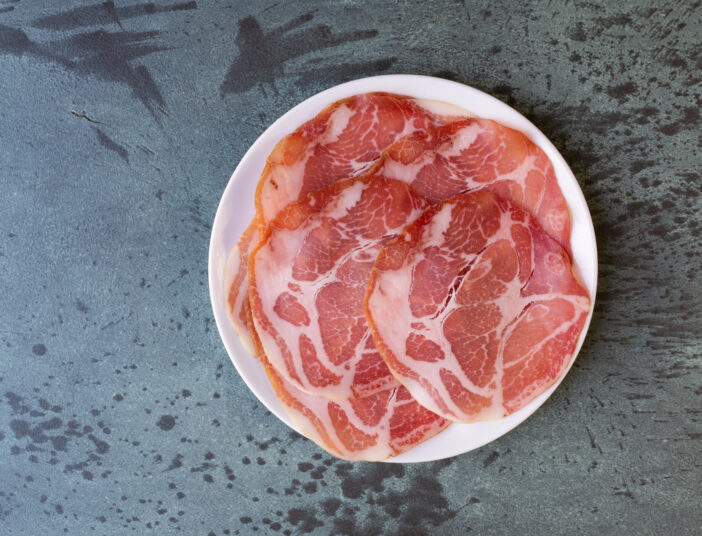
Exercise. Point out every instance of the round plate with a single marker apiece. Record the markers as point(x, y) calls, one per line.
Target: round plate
point(236, 209)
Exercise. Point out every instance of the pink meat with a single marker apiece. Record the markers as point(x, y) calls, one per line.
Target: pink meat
point(475, 308)
point(308, 278)
point(343, 140)
point(472, 153)
point(371, 428)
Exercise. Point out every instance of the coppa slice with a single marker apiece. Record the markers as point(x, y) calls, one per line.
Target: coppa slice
point(443, 161)
point(308, 277)
point(475, 309)
point(342, 141)
point(372, 428)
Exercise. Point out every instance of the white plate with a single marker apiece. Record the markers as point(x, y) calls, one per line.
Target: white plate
point(236, 210)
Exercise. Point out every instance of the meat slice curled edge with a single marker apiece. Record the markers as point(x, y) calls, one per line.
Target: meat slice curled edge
point(236, 280)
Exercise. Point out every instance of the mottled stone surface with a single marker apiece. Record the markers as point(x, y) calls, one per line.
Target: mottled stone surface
point(120, 124)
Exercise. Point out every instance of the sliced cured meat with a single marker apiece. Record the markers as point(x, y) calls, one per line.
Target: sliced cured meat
point(237, 278)
point(308, 277)
point(371, 428)
point(342, 141)
point(475, 309)
point(443, 161)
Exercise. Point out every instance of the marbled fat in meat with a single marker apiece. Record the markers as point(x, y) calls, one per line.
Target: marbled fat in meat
point(342, 141)
point(475, 308)
point(443, 161)
point(372, 428)
point(308, 278)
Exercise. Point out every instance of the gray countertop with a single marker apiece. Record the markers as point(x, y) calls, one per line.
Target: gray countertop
point(120, 124)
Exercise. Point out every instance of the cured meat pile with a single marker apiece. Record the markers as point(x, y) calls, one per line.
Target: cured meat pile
point(408, 266)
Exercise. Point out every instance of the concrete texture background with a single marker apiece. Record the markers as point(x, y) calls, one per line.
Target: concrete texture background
point(120, 124)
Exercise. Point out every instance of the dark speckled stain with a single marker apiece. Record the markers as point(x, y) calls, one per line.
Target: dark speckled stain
point(41, 430)
point(111, 145)
point(448, 75)
point(402, 500)
point(263, 55)
point(424, 506)
point(166, 423)
point(14, 41)
point(577, 33)
point(491, 458)
point(366, 477)
point(621, 92)
point(303, 519)
point(81, 306)
point(620, 19)
point(417, 506)
point(330, 506)
point(105, 13)
point(176, 463)
point(104, 54)
point(345, 71)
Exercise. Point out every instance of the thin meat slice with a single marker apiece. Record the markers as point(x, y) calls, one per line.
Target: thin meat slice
point(475, 308)
point(472, 153)
point(237, 281)
point(372, 428)
point(343, 140)
point(308, 277)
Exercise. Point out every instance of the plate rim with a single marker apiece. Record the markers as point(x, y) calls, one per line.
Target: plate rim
point(412, 85)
